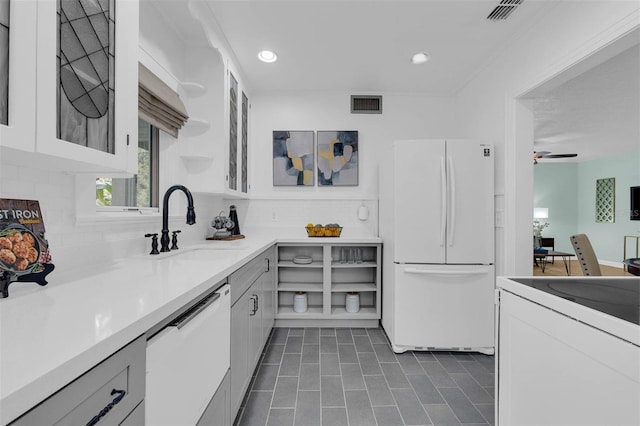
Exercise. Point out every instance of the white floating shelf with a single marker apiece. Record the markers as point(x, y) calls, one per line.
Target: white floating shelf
point(197, 126)
point(196, 157)
point(192, 88)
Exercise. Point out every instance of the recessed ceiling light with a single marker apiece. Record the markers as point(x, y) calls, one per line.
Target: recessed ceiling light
point(267, 56)
point(420, 58)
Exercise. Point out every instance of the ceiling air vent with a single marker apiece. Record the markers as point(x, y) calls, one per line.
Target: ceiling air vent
point(366, 104)
point(504, 9)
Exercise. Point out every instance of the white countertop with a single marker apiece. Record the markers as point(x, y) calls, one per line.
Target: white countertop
point(607, 323)
point(50, 335)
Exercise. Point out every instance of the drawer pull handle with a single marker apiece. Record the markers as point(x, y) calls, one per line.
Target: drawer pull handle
point(254, 304)
point(105, 410)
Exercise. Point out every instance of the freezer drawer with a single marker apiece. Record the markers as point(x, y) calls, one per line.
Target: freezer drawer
point(443, 307)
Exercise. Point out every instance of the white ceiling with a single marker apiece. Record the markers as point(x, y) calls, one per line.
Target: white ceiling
point(366, 45)
point(594, 114)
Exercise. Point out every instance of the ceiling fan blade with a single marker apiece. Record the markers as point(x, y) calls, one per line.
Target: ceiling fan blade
point(559, 155)
point(542, 152)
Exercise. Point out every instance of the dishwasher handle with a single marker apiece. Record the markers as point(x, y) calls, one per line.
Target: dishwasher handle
point(193, 312)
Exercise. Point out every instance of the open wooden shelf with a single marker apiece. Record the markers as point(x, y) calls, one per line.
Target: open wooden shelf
point(327, 281)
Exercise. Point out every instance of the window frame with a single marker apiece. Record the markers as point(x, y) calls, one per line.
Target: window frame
point(154, 173)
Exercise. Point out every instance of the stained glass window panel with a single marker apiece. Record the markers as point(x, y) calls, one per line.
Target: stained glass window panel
point(4, 61)
point(245, 141)
point(86, 73)
point(233, 133)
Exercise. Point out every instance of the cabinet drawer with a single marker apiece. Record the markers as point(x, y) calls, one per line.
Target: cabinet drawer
point(113, 388)
point(242, 279)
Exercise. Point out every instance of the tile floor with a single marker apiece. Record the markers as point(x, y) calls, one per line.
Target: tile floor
point(350, 376)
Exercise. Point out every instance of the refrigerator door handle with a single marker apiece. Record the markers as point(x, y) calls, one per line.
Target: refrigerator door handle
point(443, 201)
point(452, 201)
point(445, 271)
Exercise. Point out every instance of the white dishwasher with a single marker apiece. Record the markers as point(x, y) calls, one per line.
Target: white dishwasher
point(187, 361)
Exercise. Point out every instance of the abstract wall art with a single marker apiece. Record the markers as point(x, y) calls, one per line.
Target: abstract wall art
point(293, 158)
point(338, 158)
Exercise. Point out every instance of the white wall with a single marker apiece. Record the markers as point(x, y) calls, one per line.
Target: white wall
point(488, 108)
point(569, 191)
point(607, 238)
point(404, 116)
point(556, 188)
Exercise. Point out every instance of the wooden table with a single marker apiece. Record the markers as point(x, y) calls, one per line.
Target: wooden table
point(542, 257)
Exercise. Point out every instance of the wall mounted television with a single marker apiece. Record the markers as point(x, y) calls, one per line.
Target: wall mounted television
point(634, 213)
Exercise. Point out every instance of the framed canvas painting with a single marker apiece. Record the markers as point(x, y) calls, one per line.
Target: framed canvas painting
point(293, 158)
point(338, 158)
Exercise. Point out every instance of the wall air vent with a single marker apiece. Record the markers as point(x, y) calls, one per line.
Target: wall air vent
point(366, 104)
point(504, 9)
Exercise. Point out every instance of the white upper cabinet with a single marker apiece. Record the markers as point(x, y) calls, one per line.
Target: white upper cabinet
point(17, 128)
point(83, 115)
point(213, 143)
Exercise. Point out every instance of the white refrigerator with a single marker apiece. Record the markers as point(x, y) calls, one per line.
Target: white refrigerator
point(437, 227)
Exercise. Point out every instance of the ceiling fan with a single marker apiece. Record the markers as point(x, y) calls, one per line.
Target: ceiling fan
point(548, 154)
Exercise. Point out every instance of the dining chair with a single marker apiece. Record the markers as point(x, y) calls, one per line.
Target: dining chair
point(585, 254)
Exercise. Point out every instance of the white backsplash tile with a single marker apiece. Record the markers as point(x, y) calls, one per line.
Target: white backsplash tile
point(94, 244)
point(84, 246)
point(287, 214)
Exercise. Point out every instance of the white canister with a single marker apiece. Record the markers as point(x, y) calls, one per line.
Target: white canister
point(300, 302)
point(352, 302)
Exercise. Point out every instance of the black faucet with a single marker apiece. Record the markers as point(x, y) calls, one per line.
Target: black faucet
point(191, 214)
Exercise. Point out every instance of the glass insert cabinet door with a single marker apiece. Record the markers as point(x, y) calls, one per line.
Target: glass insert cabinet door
point(4, 62)
point(18, 26)
point(87, 84)
point(86, 68)
point(233, 132)
point(245, 143)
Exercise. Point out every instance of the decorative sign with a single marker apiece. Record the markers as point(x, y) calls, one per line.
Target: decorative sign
point(24, 250)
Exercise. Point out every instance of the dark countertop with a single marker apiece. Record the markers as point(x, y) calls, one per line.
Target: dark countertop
point(616, 297)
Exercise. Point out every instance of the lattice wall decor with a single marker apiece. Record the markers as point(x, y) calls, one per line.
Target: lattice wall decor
point(606, 200)
point(86, 60)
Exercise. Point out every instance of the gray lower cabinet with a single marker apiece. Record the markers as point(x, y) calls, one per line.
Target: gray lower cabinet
point(239, 350)
point(252, 318)
point(269, 293)
point(108, 394)
point(218, 411)
point(136, 418)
